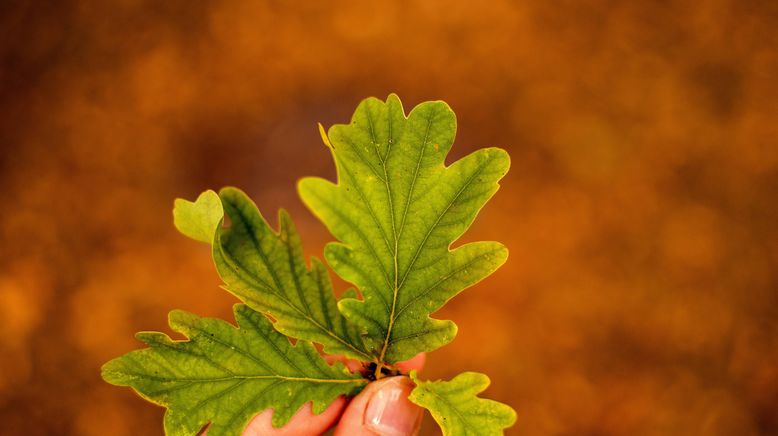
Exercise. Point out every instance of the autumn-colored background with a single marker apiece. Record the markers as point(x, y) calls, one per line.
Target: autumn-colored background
point(641, 293)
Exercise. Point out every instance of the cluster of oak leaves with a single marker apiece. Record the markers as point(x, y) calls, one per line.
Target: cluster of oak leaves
point(395, 211)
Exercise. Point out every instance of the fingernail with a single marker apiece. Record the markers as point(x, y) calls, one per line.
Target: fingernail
point(390, 413)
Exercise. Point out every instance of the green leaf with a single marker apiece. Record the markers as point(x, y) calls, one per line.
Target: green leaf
point(267, 271)
point(397, 209)
point(200, 219)
point(456, 407)
point(225, 375)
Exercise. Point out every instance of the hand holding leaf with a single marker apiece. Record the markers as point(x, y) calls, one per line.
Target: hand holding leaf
point(396, 211)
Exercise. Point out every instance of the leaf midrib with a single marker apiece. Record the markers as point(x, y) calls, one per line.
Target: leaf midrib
point(396, 291)
point(276, 292)
point(452, 407)
point(245, 377)
point(395, 233)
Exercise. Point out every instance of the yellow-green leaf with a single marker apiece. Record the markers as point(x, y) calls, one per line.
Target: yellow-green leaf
point(396, 210)
point(199, 219)
point(267, 271)
point(458, 410)
point(224, 375)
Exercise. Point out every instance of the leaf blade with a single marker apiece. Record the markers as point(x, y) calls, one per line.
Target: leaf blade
point(224, 375)
point(396, 210)
point(266, 269)
point(199, 219)
point(458, 410)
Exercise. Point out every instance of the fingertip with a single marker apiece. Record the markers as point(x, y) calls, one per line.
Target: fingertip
point(303, 422)
point(352, 421)
point(382, 408)
point(416, 363)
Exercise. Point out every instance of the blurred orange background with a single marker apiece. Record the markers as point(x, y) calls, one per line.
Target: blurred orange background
point(641, 293)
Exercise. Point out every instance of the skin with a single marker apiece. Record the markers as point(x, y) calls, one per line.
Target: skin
point(351, 418)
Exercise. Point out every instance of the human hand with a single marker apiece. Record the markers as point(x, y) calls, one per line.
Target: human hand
point(382, 408)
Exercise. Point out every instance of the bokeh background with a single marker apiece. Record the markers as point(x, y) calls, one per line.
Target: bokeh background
point(641, 294)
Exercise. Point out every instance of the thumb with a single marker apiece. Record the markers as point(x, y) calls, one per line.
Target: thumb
point(382, 409)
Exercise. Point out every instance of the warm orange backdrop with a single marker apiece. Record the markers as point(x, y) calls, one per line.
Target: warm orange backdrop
point(641, 293)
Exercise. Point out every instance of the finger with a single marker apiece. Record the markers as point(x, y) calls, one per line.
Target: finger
point(304, 422)
point(416, 363)
point(382, 408)
point(353, 365)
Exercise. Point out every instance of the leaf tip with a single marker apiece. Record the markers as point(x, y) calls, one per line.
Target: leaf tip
point(230, 192)
point(503, 158)
point(393, 98)
point(180, 320)
point(149, 338)
point(479, 382)
point(285, 223)
point(112, 373)
point(501, 254)
point(242, 312)
point(306, 188)
point(324, 137)
point(198, 219)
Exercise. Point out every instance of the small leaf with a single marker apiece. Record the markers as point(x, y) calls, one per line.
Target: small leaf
point(458, 410)
point(200, 219)
point(267, 271)
point(397, 209)
point(225, 375)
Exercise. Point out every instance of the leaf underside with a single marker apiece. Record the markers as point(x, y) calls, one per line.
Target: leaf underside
point(225, 375)
point(396, 210)
point(267, 270)
point(457, 409)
